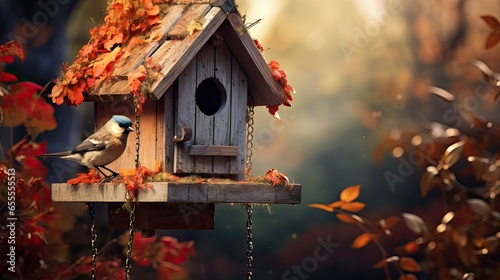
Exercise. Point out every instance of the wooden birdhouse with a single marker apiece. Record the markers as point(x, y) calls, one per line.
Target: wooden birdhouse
point(207, 71)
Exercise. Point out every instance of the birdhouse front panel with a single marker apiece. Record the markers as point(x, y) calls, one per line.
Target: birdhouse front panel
point(210, 115)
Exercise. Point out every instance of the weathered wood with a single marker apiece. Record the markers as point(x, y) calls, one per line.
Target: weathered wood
point(262, 86)
point(173, 55)
point(205, 150)
point(204, 132)
point(222, 120)
point(233, 192)
point(194, 12)
point(185, 112)
point(238, 119)
point(163, 216)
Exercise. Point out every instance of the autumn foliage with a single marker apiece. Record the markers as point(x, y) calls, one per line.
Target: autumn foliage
point(114, 39)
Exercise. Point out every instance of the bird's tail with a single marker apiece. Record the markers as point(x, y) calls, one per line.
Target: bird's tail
point(59, 154)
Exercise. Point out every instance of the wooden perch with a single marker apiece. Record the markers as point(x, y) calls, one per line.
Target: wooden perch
point(181, 193)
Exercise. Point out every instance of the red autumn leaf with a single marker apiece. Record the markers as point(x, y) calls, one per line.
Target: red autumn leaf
point(85, 178)
point(362, 240)
point(492, 39)
point(7, 77)
point(353, 206)
point(10, 49)
point(276, 178)
point(491, 21)
point(155, 10)
point(273, 110)
point(274, 65)
point(350, 193)
point(136, 77)
point(258, 45)
point(32, 167)
point(380, 263)
point(322, 207)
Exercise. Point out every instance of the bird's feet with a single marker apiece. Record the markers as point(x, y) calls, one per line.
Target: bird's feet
point(108, 179)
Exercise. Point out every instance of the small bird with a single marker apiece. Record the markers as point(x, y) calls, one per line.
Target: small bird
point(101, 148)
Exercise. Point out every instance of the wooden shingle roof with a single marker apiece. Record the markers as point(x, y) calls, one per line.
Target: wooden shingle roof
point(177, 48)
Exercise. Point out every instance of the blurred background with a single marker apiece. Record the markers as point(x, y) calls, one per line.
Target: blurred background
point(361, 70)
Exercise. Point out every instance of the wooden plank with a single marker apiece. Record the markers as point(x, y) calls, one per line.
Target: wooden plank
point(204, 132)
point(232, 192)
point(239, 91)
point(151, 147)
point(222, 120)
point(194, 12)
point(174, 56)
point(263, 88)
point(163, 216)
point(174, 14)
point(221, 151)
point(166, 117)
point(185, 112)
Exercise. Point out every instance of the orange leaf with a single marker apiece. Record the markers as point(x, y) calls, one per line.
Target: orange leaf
point(322, 207)
point(12, 48)
point(136, 77)
point(350, 193)
point(154, 10)
point(274, 65)
point(353, 206)
point(101, 65)
point(336, 204)
point(349, 218)
point(117, 39)
point(491, 21)
point(362, 240)
point(409, 264)
point(380, 263)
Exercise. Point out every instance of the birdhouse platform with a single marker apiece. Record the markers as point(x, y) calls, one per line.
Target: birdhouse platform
point(177, 205)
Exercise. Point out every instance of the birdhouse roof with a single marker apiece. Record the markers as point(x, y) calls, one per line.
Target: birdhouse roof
point(177, 47)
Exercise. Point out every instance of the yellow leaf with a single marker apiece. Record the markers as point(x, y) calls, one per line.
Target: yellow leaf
point(192, 26)
point(350, 193)
point(362, 240)
point(353, 206)
point(322, 207)
point(409, 264)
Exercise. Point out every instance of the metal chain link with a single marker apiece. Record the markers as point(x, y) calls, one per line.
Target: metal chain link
point(249, 243)
point(128, 263)
point(248, 172)
point(249, 144)
point(93, 237)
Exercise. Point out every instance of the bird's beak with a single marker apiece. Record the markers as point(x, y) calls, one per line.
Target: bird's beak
point(129, 128)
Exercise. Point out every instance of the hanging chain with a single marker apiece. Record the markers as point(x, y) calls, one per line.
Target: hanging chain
point(249, 152)
point(93, 237)
point(249, 242)
point(128, 263)
point(248, 172)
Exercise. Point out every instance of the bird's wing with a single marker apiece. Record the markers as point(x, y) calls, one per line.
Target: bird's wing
point(94, 142)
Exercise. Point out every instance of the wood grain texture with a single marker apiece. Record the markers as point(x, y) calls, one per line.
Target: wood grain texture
point(185, 113)
point(174, 55)
point(194, 12)
point(163, 216)
point(239, 89)
point(262, 86)
point(181, 193)
point(222, 119)
point(166, 118)
point(204, 131)
point(216, 151)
